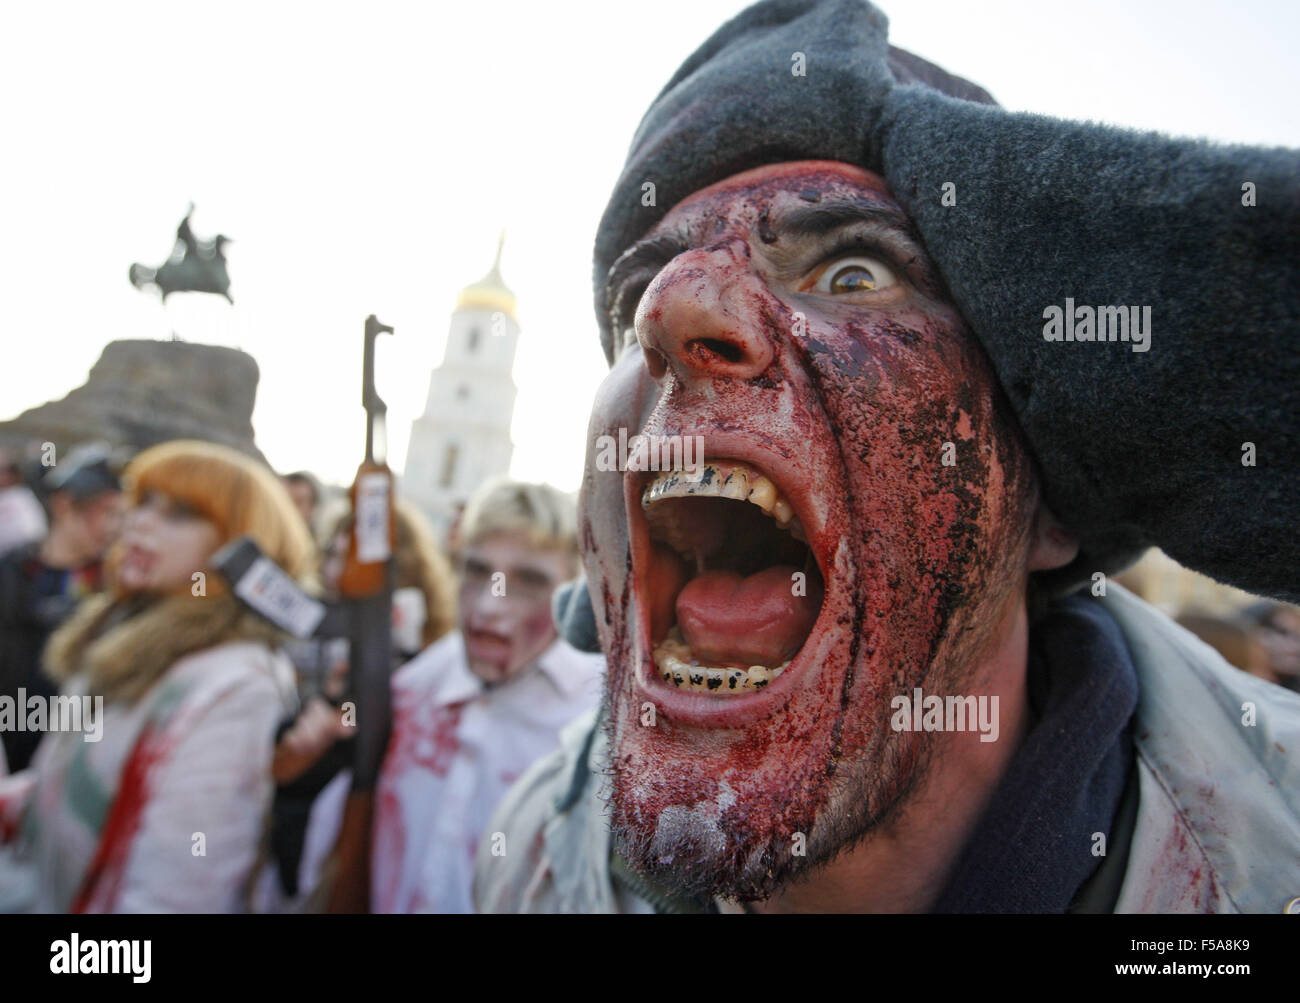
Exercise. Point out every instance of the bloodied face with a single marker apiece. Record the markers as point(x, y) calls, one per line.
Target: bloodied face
point(506, 583)
point(861, 526)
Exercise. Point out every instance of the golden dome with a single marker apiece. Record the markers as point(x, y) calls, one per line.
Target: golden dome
point(489, 292)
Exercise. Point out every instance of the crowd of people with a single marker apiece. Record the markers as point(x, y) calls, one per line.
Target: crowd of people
point(212, 766)
point(221, 779)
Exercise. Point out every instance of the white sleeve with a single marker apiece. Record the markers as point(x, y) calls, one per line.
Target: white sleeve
point(201, 828)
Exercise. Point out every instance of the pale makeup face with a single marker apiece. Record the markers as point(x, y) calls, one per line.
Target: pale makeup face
point(789, 316)
point(506, 585)
point(164, 543)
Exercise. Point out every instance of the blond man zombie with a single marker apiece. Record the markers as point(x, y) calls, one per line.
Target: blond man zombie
point(481, 705)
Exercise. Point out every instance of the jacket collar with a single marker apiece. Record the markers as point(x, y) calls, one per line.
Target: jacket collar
point(567, 668)
point(1219, 824)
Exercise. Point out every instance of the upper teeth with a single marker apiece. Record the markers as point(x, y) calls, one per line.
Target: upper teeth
point(725, 481)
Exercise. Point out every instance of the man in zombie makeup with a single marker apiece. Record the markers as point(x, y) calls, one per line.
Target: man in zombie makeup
point(478, 707)
point(850, 664)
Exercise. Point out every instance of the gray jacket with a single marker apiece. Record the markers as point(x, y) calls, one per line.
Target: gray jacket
point(1217, 825)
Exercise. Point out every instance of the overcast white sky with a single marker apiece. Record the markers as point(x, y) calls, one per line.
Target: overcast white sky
point(364, 158)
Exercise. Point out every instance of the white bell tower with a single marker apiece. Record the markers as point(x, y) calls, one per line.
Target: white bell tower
point(463, 437)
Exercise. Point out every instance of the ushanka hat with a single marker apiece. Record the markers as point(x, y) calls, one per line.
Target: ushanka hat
point(1185, 441)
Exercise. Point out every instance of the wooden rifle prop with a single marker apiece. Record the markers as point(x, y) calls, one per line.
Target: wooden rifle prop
point(366, 582)
point(364, 616)
point(367, 585)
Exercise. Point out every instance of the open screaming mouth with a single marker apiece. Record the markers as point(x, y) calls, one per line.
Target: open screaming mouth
point(731, 585)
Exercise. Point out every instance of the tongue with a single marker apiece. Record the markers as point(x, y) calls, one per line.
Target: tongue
point(729, 619)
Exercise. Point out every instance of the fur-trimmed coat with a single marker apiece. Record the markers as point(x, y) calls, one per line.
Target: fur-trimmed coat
point(164, 811)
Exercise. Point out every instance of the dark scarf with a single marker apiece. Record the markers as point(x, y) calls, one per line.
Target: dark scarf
point(1032, 850)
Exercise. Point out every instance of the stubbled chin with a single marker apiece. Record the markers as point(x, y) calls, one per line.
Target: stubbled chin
point(717, 811)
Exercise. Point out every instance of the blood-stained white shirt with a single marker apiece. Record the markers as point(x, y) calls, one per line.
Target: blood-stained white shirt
point(455, 749)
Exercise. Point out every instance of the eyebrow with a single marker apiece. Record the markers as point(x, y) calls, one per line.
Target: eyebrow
point(826, 217)
point(652, 252)
point(796, 221)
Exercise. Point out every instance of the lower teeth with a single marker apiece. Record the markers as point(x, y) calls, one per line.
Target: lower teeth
point(677, 665)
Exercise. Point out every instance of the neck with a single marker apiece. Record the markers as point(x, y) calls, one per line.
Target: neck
point(904, 867)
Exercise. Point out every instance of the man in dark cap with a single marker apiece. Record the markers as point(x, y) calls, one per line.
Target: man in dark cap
point(851, 668)
point(42, 582)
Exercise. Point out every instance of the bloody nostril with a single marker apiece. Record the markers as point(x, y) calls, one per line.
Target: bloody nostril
point(655, 362)
point(723, 349)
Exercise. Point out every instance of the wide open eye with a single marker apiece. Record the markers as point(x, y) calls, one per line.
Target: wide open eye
point(854, 274)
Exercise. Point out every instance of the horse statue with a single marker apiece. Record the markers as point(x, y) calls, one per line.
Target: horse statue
point(194, 266)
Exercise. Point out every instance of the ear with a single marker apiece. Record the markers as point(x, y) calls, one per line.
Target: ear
point(1051, 546)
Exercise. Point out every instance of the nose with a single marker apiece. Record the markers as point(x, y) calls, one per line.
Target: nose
point(702, 317)
point(482, 606)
